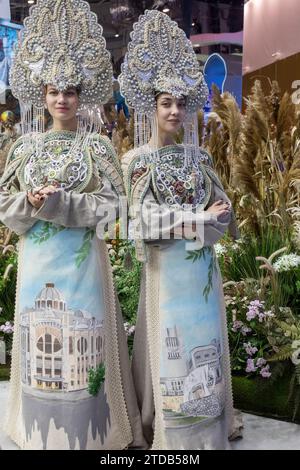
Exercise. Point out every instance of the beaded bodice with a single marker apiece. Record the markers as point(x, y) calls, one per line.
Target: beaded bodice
point(60, 163)
point(63, 163)
point(176, 181)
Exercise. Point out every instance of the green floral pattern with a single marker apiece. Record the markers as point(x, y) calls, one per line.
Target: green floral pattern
point(213, 266)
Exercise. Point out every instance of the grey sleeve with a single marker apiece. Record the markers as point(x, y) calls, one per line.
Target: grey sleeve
point(70, 209)
point(214, 231)
point(154, 221)
point(159, 222)
point(15, 211)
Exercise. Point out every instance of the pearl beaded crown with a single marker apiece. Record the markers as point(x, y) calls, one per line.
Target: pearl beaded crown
point(160, 58)
point(62, 45)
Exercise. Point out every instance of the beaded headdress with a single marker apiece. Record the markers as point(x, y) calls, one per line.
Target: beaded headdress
point(160, 59)
point(62, 45)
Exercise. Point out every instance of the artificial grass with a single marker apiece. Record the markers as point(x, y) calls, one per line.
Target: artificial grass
point(264, 397)
point(4, 371)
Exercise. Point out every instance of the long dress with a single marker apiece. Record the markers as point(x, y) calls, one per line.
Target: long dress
point(67, 319)
point(181, 363)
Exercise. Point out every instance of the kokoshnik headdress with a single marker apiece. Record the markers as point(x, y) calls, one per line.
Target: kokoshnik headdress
point(62, 45)
point(160, 59)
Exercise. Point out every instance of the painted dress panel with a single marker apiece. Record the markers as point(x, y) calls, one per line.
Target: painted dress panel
point(61, 315)
point(191, 371)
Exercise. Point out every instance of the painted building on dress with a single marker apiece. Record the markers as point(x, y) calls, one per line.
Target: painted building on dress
point(58, 345)
point(191, 375)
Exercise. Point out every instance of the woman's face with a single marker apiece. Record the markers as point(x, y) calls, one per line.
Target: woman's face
point(62, 105)
point(170, 113)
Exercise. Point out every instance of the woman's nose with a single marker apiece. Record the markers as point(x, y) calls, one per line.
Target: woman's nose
point(61, 98)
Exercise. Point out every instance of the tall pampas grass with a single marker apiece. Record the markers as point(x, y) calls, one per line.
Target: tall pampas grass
point(257, 155)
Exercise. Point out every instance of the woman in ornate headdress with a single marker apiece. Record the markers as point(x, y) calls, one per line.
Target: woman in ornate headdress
point(57, 187)
point(178, 210)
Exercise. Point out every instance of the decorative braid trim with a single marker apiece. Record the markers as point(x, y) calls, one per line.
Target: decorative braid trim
point(113, 380)
point(107, 142)
point(154, 342)
point(229, 414)
point(127, 159)
point(112, 174)
point(214, 177)
point(138, 193)
point(13, 418)
point(125, 162)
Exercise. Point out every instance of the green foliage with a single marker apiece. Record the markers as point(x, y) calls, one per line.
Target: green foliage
point(8, 287)
point(84, 250)
point(46, 231)
point(127, 283)
point(195, 255)
point(289, 285)
point(241, 263)
point(283, 354)
point(96, 378)
point(297, 373)
point(278, 370)
point(130, 340)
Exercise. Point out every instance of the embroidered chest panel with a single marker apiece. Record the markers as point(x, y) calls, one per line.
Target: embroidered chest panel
point(59, 163)
point(178, 181)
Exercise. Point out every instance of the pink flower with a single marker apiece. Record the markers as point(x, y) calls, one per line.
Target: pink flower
point(250, 366)
point(265, 372)
point(256, 310)
point(260, 362)
point(252, 313)
point(257, 303)
point(7, 328)
point(245, 330)
point(237, 325)
point(250, 350)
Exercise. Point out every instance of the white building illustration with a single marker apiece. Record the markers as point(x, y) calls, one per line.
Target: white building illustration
point(175, 364)
point(190, 375)
point(59, 345)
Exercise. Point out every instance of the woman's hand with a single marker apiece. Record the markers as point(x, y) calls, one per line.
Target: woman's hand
point(47, 191)
point(37, 198)
point(219, 208)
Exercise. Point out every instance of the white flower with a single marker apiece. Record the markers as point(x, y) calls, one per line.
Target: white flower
point(287, 262)
point(236, 246)
point(220, 249)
